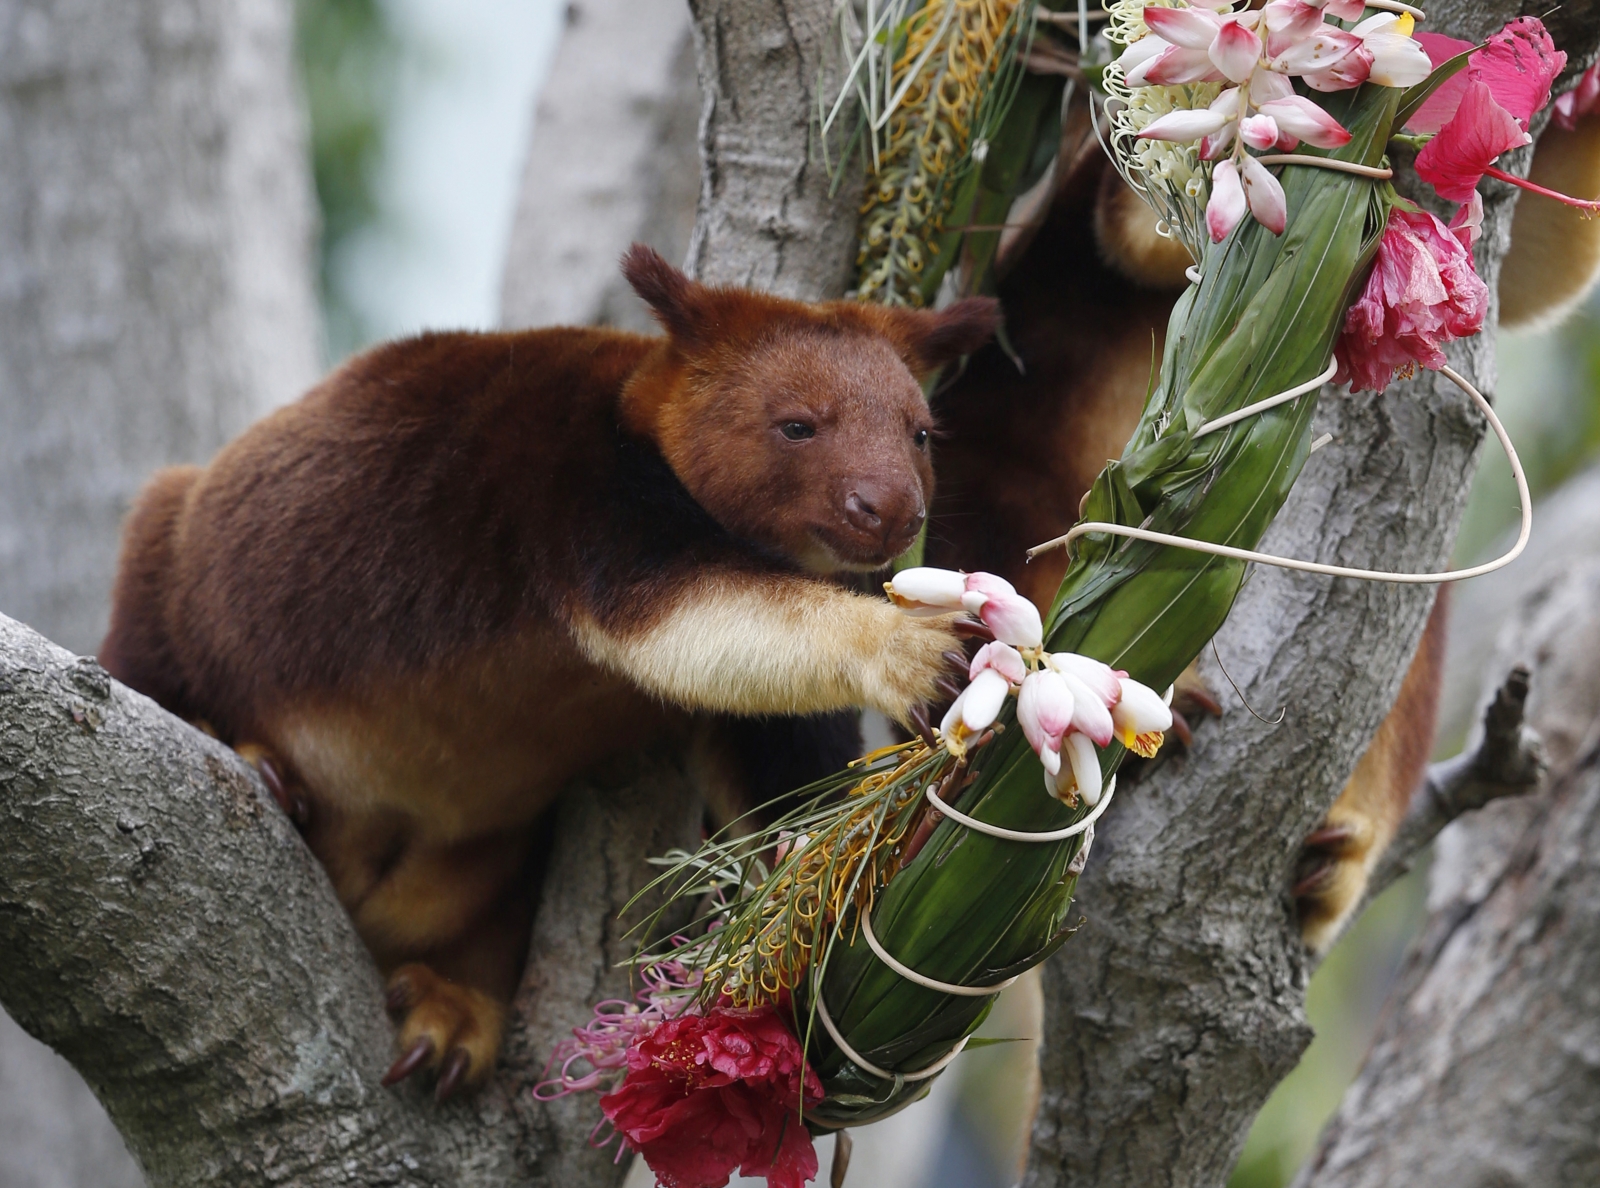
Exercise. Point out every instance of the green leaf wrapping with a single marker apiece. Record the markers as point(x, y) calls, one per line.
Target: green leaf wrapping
point(972, 909)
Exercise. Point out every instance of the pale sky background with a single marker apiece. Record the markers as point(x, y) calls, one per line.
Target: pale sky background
point(448, 182)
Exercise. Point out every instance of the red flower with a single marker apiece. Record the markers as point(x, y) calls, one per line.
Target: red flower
point(1485, 109)
point(1579, 101)
point(706, 1095)
point(1422, 293)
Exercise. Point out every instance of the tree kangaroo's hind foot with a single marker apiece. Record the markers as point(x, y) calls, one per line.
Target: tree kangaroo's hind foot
point(446, 1028)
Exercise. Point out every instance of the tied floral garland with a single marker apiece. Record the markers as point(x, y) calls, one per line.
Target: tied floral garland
point(848, 951)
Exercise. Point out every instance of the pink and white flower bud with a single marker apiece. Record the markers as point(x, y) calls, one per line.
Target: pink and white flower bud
point(1316, 51)
point(1141, 51)
point(1044, 711)
point(1175, 66)
point(982, 699)
point(1227, 203)
point(1235, 52)
point(1259, 131)
point(1301, 118)
point(1141, 718)
point(1342, 10)
point(1191, 28)
point(927, 591)
point(1013, 619)
point(1101, 679)
point(1265, 196)
point(1287, 22)
point(1184, 126)
point(1002, 658)
point(1344, 74)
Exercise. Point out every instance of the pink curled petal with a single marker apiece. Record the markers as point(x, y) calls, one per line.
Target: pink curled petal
point(1288, 21)
point(1467, 225)
point(1265, 196)
point(1183, 126)
point(1259, 131)
point(1438, 107)
point(973, 602)
point(1190, 28)
point(1101, 679)
point(1348, 72)
point(1090, 715)
point(1226, 206)
point(1014, 620)
point(1235, 51)
point(988, 583)
point(981, 701)
point(1002, 658)
point(1454, 160)
point(1044, 709)
point(1297, 116)
point(1345, 10)
point(1175, 67)
point(1397, 60)
point(1085, 762)
point(1518, 64)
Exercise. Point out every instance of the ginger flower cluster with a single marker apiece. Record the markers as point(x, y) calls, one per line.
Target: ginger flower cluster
point(1067, 705)
point(1257, 53)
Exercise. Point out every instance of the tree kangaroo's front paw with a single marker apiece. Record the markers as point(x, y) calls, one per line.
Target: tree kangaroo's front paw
point(281, 781)
point(1331, 877)
point(919, 665)
point(445, 1028)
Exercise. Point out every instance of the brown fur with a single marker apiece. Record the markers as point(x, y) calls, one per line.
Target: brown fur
point(469, 567)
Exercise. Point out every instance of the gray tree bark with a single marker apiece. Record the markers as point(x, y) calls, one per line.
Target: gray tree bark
point(613, 159)
point(1170, 1018)
point(1486, 1069)
point(770, 217)
point(155, 297)
point(155, 291)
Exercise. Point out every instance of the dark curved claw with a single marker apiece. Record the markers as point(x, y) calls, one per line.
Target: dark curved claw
point(948, 687)
point(920, 723)
point(1313, 880)
point(958, 661)
point(455, 1068)
point(399, 996)
point(294, 805)
point(1181, 730)
point(420, 1053)
point(972, 629)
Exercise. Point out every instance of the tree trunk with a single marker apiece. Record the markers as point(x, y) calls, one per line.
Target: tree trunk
point(155, 297)
point(1486, 1070)
point(612, 160)
point(155, 238)
point(1174, 1013)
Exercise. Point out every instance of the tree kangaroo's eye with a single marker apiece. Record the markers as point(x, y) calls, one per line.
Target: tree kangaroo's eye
point(798, 430)
point(920, 439)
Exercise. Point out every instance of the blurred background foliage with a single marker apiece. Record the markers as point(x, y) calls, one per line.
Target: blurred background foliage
point(419, 113)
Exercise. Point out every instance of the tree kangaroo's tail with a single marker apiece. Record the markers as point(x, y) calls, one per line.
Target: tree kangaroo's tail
point(138, 649)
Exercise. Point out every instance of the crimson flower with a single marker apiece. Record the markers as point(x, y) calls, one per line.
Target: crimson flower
point(1422, 293)
point(1484, 110)
point(706, 1095)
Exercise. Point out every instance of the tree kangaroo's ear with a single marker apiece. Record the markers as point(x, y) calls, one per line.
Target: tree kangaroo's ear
point(1555, 252)
point(928, 339)
point(1125, 232)
point(678, 303)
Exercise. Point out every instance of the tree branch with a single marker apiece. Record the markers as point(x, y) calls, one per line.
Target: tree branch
point(1484, 1067)
point(167, 931)
point(1173, 1014)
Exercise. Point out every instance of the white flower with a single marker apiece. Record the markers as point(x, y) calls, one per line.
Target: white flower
point(1141, 717)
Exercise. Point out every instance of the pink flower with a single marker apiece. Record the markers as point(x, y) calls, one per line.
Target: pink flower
point(1044, 711)
point(1422, 293)
point(1484, 110)
point(1227, 205)
point(706, 1095)
point(1579, 101)
point(1302, 119)
point(1001, 657)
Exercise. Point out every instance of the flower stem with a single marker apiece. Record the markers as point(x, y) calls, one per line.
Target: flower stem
point(1588, 206)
